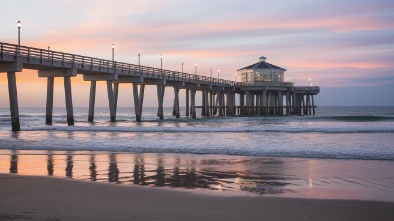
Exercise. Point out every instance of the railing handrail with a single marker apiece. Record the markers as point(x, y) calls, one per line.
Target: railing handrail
point(52, 56)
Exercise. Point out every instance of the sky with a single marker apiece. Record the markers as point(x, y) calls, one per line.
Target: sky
point(345, 47)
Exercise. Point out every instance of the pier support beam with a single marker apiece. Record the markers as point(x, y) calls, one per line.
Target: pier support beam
point(111, 101)
point(280, 103)
point(206, 103)
point(11, 68)
point(294, 103)
point(176, 102)
point(211, 103)
point(265, 105)
point(92, 100)
point(66, 74)
point(203, 103)
point(241, 103)
point(193, 102)
point(313, 105)
point(187, 101)
point(49, 107)
point(160, 96)
point(14, 109)
point(116, 95)
point(220, 102)
point(138, 101)
point(69, 101)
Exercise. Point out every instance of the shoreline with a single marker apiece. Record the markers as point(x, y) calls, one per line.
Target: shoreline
point(49, 198)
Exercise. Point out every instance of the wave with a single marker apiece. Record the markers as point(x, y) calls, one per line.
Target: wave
point(221, 151)
point(211, 129)
point(359, 118)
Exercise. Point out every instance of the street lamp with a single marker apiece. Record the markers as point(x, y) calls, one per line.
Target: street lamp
point(19, 25)
point(218, 73)
point(195, 69)
point(161, 64)
point(139, 62)
point(113, 52)
point(182, 67)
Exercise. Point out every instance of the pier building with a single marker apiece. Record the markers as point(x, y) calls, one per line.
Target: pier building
point(261, 72)
point(262, 90)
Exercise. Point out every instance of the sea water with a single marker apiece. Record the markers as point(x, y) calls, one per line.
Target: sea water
point(341, 152)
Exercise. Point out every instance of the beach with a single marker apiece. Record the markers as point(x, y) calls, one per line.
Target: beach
point(333, 166)
point(48, 198)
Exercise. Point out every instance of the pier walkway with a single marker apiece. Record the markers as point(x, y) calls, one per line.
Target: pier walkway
point(218, 95)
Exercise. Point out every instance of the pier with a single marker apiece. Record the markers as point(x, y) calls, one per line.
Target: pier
point(218, 95)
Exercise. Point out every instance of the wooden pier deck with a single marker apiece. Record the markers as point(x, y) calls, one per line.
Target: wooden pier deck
point(218, 95)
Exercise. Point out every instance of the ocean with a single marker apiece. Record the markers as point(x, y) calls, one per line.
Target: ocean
point(340, 153)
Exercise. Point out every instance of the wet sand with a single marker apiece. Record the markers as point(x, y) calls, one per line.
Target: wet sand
point(49, 198)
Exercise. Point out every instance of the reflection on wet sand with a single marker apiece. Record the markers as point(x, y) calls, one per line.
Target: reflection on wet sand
point(92, 168)
point(139, 171)
point(14, 162)
point(113, 171)
point(69, 165)
point(50, 163)
point(215, 174)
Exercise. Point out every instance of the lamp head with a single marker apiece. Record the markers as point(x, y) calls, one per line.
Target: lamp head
point(113, 46)
point(19, 24)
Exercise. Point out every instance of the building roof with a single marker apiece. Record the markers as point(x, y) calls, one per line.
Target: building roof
point(262, 65)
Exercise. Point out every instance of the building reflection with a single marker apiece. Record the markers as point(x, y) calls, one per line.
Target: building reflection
point(69, 165)
point(14, 162)
point(113, 171)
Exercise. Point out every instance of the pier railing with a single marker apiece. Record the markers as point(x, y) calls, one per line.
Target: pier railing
point(49, 57)
point(266, 83)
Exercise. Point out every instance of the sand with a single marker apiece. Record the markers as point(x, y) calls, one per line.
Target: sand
point(48, 198)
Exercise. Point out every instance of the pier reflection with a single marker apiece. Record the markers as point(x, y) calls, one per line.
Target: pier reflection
point(14, 162)
point(139, 171)
point(69, 165)
point(160, 176)
point(263, 176)
point(113, 171)
point(92, 168)
point(50, 163)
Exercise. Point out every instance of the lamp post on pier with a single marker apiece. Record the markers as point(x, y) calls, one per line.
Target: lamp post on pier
point(113, 52)
point(19, 25)
point(195, 68)
point(218, 73)
point(161, 64)
point(139, 63)
point(182, 67)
